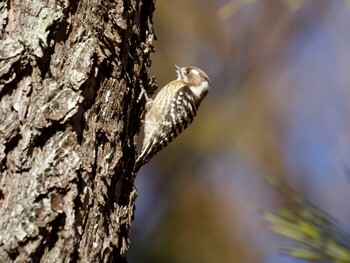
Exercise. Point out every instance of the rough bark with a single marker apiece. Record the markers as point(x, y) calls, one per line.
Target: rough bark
point(70, 75)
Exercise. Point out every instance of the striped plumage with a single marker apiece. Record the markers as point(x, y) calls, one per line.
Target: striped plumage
point(172, 110)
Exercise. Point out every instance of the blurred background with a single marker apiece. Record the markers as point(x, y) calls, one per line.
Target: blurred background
point(278, 106)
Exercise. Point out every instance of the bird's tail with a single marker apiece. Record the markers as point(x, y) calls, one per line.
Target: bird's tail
point(143, 157)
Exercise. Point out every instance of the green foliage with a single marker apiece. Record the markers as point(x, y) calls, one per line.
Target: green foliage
point(316, 235)
point(232, 7)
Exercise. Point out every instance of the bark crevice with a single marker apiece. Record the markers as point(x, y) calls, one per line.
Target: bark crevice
point(70, 75)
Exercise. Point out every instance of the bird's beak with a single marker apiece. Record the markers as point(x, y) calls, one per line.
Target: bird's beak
point(178, 71)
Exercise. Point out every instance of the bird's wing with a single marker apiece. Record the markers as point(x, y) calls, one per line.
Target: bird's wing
point(177, 114)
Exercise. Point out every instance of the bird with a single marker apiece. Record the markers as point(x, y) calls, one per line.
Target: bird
point(172, 110)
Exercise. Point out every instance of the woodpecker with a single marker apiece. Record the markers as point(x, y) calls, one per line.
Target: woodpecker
point(172, 110)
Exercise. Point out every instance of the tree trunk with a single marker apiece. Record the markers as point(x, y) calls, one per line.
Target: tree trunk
point(70, 76)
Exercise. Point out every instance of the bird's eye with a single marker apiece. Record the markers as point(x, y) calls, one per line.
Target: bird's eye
point(188, 71)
